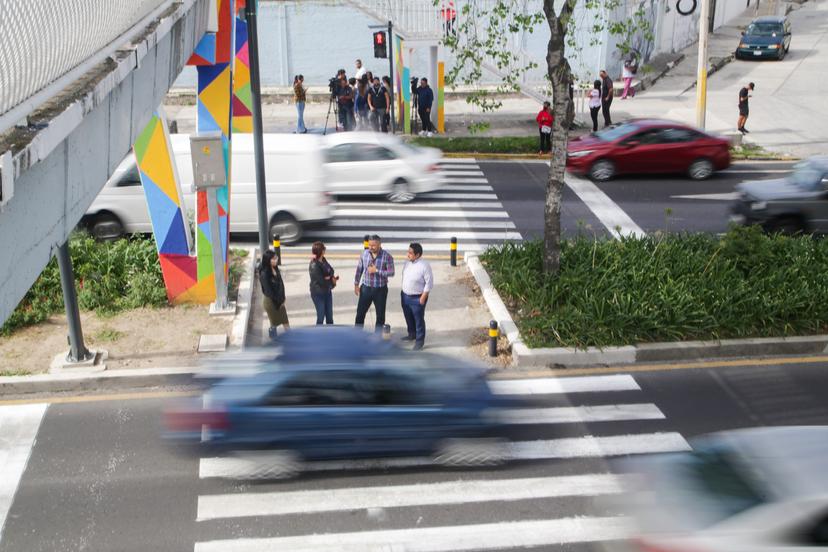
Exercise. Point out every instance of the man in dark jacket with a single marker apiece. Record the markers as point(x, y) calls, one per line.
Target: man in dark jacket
point(378, 102)
point(425, 99)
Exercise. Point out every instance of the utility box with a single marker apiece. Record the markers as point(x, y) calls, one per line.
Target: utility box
point(207, 153)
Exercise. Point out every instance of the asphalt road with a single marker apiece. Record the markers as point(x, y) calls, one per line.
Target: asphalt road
point(693, 206)
point(98, 476)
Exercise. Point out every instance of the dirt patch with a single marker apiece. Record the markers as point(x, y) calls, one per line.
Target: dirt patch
point(140, 338)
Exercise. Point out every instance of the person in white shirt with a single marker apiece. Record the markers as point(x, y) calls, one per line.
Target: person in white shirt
point(360, 70)
point(595, 104)
point(417, 281)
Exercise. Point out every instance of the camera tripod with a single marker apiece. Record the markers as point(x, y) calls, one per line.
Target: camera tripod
point(332, 103)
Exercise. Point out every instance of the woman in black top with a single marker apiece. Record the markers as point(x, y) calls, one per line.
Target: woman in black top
point(273, 289)
point(322, 281)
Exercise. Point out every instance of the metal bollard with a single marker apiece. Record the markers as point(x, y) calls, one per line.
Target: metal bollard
point(386, 332)
point(453, 251)
point(493, 333)
point(365, 242)
point(277, 247)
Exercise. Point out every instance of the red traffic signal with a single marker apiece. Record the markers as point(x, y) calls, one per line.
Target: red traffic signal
point(380, 50)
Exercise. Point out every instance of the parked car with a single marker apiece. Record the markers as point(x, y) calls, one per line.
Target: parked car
point(371, 163)
point(761, 489)
point(296, 194)
point(795, 203)
point(765, 37)
point(647, 146)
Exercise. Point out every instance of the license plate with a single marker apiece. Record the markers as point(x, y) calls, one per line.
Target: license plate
point(757, 53)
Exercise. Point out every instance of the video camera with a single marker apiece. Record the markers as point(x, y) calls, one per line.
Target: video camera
point(414, 82)
point(333, 85)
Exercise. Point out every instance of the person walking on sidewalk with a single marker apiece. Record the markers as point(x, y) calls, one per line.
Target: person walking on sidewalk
point(299, 92)
point(273, 290)
point(378, 101)
point(322, 281)
point(595, 103)
point(374, 268)
point(425, 99)
point(545, 119)
point(607, 92)
point(744, 108)
point(417, 281)
point(627, 74)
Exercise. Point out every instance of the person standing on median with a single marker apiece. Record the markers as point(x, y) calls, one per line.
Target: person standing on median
point(744, 108)
point(425, 99)
point(374, 268)
point(273, 291)
point(417, 281)
point(607, 92)
point(322, 281)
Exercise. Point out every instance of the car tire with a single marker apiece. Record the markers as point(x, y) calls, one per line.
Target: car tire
point(287, 227)
point(471, 452)
point(106, 227)
point(602, 170)
point(265, 464)
point(400, 192)
point(788, 226)
point(781, 55)
point(701, 169)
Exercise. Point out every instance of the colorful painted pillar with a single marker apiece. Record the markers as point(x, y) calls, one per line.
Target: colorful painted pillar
point(441, 93)
point(242, 99)
point(401, 73)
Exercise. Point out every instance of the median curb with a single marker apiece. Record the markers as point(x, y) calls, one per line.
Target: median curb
point(526, 357)
point(132, 378)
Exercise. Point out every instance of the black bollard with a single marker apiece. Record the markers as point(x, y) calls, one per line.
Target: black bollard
point(453, 251)
point(277, 247)
point(365, 242)
point(493, 333)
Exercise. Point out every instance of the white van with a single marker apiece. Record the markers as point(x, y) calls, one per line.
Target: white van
point(296, 196)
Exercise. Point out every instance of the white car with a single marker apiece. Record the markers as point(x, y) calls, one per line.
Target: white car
point(371, 163)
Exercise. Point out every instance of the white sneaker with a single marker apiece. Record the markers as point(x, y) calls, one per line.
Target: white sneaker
point(422, 133)
point(429, 134)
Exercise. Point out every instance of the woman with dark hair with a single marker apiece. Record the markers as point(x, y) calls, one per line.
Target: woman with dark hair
point(299, 93)
point(545, 120)
point(595, 104)
point(322, 282)
point(273, 290)
point(361, 104)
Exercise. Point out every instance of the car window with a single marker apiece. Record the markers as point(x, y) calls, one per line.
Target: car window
point(326, 388)
point(678, 135)
point(376, 153)
point(615, 132)
point(646, 137)
point(764, 29)
point(344, 153)
point(130, 178)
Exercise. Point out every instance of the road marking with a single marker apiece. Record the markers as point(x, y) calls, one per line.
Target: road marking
point(459, 166)
point(419, 224)
point(757, 171)
point(420, 235)
point(279, 503)
point(549, 386)
point(715, 197)
point(608, 212)
point(464, 160)
point(466, 188)
point(463, 173)
point(440, 195)
point(488, 536)
point(339, 212)
point(18, 429)
point(579, 414)
point(465, 180)
point(574, 447)
point(400, 208)
point(103, 398)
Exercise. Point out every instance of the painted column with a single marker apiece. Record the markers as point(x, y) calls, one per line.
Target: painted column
point(400, 73)
point(441, 92)
point(242, 100)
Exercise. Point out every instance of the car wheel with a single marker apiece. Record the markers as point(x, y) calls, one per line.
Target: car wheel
point(106, 227)
point(602, 170)
point(286, 227)
point(788, 226)
point(700, 169)
point(471, 452)
point(782, 53)
point(400, 192)
point(265, 464)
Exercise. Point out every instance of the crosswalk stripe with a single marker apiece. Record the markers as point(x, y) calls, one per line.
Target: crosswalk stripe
point(420, 235)
point(583, 414)
point(461, 160)
point(460, 166)
point(488, 536)
point(464, 173)
point(544, 386)
point(441, 195)
point(466, 188)
point(418, 205)
point(574, 447)
point(403, 223)
point(19, 425)
point(465, 180)
point(237, 505)
point(375, 213)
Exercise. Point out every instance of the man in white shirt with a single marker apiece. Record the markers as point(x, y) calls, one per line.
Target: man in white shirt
point(360, 70)
point(417, 281)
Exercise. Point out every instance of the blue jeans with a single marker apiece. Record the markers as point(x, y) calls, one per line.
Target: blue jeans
point(300, 124)
point(324, 307)
point(414, 314)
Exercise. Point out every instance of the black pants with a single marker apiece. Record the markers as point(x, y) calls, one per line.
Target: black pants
point(414, 314)
point(545, 141)
point(368, 295)
point(425, 117)
point(605, 107)
point(593, 112)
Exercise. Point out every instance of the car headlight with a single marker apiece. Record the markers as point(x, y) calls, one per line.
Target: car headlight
point(581, 153)
point(758, 206)
point(773, 46)
point(742, 45)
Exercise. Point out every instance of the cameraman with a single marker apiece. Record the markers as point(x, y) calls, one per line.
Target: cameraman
point(345, 99)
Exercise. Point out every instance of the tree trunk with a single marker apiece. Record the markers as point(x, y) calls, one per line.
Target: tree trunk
point(562, 108)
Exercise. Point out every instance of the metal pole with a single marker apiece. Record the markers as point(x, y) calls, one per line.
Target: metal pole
point(256, 101)
point(493, 334)
point(453, 250)
point(218, 253)
point(391, 74)
point(701, 73)
point(77, 350)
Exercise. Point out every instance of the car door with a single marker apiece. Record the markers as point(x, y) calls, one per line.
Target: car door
point(382, 168)
point(344, 169)
point(676, 149)
point(639, 152)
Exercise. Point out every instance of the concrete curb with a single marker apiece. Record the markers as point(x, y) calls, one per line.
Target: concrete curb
point(244, 302)
point(109, 379)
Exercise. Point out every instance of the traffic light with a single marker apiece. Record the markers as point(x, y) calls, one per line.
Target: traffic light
point(380, 50)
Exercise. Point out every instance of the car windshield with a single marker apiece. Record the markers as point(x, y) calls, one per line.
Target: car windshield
point(615, 132)
point(764, 29)
point(807, 176)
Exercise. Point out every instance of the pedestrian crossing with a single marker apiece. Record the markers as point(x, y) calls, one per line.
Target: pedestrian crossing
point(571, 426)
point(466, 207)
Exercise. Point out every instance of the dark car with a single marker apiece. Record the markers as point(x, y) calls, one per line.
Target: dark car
point(647, 146)
point(796, 203)
point(402, 405)
point(765, 37)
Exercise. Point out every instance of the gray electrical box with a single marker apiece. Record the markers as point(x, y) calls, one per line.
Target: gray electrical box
point(208, 160)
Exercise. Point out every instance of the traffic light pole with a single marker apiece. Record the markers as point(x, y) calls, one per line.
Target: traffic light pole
point(391, 74)
point(701, 68)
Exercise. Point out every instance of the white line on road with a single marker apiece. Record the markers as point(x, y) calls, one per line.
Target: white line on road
point(279, 503)
point(440, 195)
point(464, 160)
point(460, 167)
point(757, 171)
point(715, 197)
point(579, 414)
point(465, 180)
point(434, 213)
point(19, 425)
point(420, 235)
point(462, 188)
point(403, 223)
point(419, 205)
point(608, 212)
point(546, 386)
point(488, 536)
point(463, 173)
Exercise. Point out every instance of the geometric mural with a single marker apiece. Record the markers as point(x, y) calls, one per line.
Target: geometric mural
point(242, 99)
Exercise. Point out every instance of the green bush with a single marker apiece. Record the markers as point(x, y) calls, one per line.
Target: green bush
point(665, 288)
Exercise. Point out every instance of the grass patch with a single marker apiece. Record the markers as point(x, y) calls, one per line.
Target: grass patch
point(108, 335)
point(480, 144)
point(753, 151)
point(9, 373)
point(665, 288)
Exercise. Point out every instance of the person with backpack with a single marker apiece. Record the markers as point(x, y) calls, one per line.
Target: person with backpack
point(273, 291)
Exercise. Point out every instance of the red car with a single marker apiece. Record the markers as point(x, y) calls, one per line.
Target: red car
point(647, 146)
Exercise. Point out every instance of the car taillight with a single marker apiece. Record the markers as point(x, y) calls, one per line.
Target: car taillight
point(194, 420)
point(326, 199)
point(648, 546)
point(433, 168)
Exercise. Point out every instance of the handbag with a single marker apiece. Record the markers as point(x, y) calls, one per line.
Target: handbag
point(546, 129)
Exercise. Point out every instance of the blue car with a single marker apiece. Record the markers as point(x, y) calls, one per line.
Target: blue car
point(765, 37)
point(399, 405)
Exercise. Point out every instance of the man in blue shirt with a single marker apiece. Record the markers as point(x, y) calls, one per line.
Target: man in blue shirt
point(425, 99)
point(374, 268)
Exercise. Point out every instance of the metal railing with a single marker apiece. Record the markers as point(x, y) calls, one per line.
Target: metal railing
point(412, 19)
